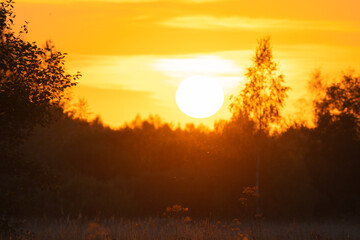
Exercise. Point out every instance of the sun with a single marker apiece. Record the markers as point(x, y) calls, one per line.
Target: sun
point(199, 96)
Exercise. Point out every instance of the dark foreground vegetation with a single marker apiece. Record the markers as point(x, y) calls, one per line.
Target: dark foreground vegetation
point(56, 164)
point(186, 229)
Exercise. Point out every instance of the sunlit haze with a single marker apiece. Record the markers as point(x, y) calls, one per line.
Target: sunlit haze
point(133, 54)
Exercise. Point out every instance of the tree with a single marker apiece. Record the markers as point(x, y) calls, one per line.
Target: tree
point(341, 100)
point(262, 97)
point(33, 81)
point(334, 149)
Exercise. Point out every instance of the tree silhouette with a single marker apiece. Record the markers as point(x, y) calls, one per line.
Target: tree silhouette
point(262, 97)
point(341, 100)
point(32, 80)
point(335, 152)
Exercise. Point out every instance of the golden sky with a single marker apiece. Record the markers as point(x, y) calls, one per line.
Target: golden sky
point(134, 53)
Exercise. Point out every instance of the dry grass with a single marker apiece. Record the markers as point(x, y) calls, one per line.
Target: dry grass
point(165, 228)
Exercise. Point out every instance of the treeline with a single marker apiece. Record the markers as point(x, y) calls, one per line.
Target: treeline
point(148, 165)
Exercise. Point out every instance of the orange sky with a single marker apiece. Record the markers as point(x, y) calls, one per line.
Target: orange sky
point(134, 53)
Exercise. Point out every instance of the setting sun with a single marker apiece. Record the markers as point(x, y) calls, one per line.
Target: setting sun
point(199, 97)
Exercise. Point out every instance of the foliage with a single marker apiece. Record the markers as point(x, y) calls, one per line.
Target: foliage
point(264, 93)
point(341, 101)
point(261, 99)
point(248, 199)
point(334, 146)
point(32, 80)
point(175, 210)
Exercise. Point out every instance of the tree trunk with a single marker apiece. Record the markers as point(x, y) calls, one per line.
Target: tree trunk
point(257, 187)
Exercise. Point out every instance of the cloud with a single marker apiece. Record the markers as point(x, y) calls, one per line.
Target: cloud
point(242, 23)
point(224, 71)
point(206, 64)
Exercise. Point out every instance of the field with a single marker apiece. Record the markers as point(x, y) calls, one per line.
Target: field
point(164, 228)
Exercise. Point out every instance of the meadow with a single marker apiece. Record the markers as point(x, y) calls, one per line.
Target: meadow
point(162, 228)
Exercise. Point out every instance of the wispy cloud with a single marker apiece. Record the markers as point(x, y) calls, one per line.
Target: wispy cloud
point(226, 72)
point(207, 64)
point(242, 23)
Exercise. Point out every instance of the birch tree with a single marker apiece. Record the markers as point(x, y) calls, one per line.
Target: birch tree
point(262, 97)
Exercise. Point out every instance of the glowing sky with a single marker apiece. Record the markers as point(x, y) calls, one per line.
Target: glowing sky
point(134, 53)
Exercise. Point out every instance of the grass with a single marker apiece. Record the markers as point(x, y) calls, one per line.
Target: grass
point(175, 228)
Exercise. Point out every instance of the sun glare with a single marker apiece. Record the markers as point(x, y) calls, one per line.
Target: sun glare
point(199, 96)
